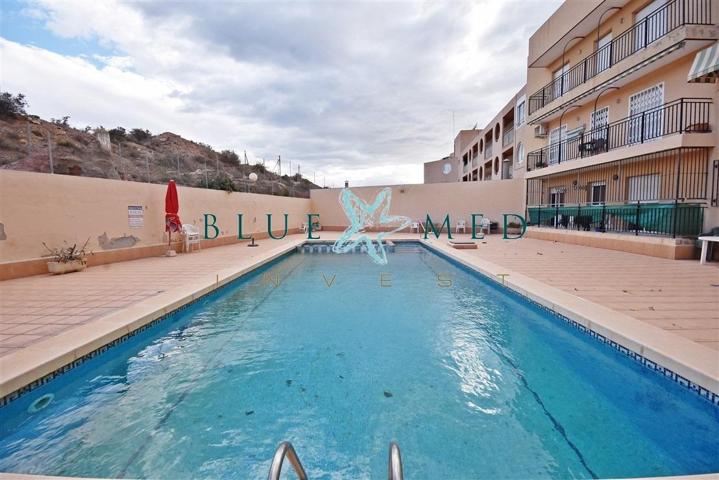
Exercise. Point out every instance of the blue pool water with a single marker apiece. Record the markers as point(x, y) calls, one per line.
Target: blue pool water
point(471, 381)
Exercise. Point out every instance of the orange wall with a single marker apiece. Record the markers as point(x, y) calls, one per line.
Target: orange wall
point(39, 207)
point(459, 200)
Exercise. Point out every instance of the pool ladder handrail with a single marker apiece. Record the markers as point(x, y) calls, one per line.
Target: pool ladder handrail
point(395, 462)
point(285, 449)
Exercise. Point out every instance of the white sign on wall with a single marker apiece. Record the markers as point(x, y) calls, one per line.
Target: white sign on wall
point(135, 216)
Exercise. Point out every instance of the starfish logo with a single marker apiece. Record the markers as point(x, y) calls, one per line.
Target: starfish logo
point(364, 216)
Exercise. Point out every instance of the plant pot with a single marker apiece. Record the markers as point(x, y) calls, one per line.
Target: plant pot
point(58, 268)
point(514, 230)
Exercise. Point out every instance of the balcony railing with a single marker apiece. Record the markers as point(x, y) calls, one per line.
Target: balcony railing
point(672, 219)
point(685, 115)
point(508, 137)
point(650, 29)
point(488, 150)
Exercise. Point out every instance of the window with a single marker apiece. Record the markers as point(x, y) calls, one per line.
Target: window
point(559, 87)
point(604, 51)
point(643, 188)
point(597, 193)
point(520, 153)
point(598, 121)
point(652, 23)
point(556, 196)
point(555, 136)
point(647, 116)
point(520, 112)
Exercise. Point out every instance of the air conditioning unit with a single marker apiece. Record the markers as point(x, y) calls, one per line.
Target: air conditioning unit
point(540, 131)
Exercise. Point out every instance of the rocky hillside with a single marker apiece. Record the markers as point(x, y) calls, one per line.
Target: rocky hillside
point(136, 155)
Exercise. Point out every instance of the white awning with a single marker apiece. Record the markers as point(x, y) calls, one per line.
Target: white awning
point(706, 66)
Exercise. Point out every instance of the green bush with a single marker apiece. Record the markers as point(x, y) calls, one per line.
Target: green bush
point(228, 156)
point(222, 182)
point(12, 105)
point(140, 135)
point(117, 134)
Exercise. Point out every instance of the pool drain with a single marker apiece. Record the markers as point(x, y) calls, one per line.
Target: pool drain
point(41, 403)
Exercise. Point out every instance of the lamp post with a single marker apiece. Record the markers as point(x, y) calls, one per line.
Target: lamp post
point(599, 23)
point(559, 154)
point(606, 89)
point(564, 51)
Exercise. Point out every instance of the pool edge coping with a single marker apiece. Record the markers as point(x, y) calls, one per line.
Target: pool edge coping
point(695, 362)
point(32, 364)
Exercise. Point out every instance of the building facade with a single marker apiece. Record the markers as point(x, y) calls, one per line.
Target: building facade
point(619, 140)
point(492, 153)
point(609, 132)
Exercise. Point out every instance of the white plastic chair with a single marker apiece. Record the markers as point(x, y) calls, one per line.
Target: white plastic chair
point(303, 227)
point(461, 225)
point(192, 236)
point(485, 223)
point(414, 227)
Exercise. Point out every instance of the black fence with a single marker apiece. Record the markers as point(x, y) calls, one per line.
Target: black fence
point(685, 115)
point(672, 219)
point(679, 174)
point(653, 27)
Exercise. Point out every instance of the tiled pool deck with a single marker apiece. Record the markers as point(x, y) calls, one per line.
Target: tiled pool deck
point(48, 321)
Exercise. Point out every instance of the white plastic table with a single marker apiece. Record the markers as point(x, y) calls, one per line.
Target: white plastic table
point(705, 244)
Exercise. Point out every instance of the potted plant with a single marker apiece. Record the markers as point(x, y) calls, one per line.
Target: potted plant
point(67, 259)
point(514, 228)
point(539, 164)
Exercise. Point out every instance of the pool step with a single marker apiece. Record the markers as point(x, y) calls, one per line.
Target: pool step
point(285, 449)
point(327, 248)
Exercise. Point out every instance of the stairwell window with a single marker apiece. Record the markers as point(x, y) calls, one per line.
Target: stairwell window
point(520, 153)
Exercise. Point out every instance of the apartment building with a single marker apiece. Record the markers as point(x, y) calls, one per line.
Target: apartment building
point(443, 170)
point(620, 136)
point(493, 153)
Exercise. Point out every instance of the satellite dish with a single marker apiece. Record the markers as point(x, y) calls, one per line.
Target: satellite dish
point(447, 168)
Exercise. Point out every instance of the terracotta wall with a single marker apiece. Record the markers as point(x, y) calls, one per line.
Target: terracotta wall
point(492, 198)
point(38, 207)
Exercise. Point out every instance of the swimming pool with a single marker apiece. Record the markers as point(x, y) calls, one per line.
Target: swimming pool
point(340, 356)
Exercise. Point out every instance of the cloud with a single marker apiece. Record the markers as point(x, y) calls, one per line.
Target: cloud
point(355, 90)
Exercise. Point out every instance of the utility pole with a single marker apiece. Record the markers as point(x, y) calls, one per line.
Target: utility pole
point(49, 151)
point(207, 182)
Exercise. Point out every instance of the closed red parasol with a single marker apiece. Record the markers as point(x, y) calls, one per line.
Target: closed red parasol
point(172, 206)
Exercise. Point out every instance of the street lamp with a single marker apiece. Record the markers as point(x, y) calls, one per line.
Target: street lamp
point(599, 23)
point(564, 51)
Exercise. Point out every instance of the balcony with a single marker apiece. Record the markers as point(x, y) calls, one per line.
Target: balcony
point(508, 137)
point(685, 115)
point(668, 219)
point(488, 150)
point(657, 25)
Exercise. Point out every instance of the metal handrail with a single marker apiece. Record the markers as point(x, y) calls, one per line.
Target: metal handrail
point(654, 26)
point(285, 449)
point(395, 463)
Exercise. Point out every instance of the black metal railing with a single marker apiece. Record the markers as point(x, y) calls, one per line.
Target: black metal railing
point(675, 175)
point(685, 115)
point(667, 219)
point(508, 137)
point(653, 27)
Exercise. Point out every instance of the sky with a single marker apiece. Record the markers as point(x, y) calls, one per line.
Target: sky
point(359, 91)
